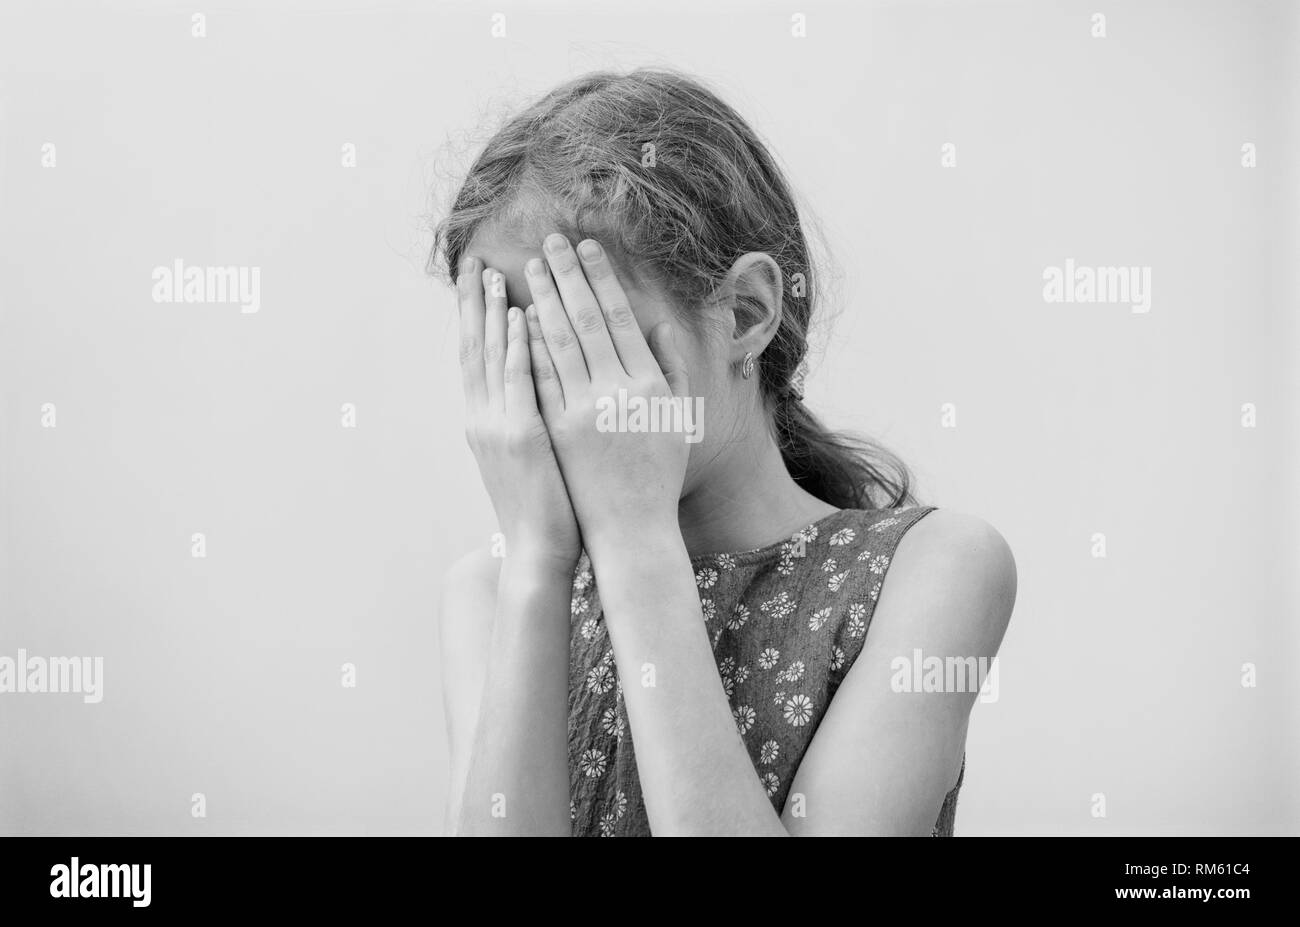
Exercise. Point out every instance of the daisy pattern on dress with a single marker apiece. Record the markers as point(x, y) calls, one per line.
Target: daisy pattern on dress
point(875, 592)
point(589, 628)
point(778, 698)
point(739, 615)
point(600, 679)
point(792, 673)
point(612, 723)
point(768, 752)
point(779, 606)
point(818, 619)
point(842, 537)
point(834, 583)
point(582, 582)
point(837, 659)
point(726, 562)
point(577, 606)
point(767, 659)
point(592, 763)
point(707, 609)
point(607, 821)
point(829, 565)
point(878, 564)
point(857, 619)
point(798, 710)
point(620, 804)
point(745, 718)
point(885, 523)
point(706, 577)
point(771, 782)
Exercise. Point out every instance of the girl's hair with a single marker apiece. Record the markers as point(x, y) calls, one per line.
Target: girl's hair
point(674, 183)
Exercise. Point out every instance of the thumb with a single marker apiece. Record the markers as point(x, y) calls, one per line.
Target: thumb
point(663, 344)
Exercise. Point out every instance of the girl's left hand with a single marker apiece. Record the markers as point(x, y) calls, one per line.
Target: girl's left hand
point(594, 361)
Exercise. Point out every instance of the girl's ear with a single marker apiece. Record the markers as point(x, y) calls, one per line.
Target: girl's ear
point(753, 291)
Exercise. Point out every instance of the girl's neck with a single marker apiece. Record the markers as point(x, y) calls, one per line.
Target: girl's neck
point(747, 500)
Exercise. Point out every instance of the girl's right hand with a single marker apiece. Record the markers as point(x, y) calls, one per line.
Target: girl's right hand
point(504, 427)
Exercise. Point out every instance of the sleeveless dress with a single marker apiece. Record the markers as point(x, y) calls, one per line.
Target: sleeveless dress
point(786, 622)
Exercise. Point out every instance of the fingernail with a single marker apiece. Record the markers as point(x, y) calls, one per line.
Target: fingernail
point(589, 250)
point(556, 243)
point(513, 315)
point(468, 265)
point(535, 267)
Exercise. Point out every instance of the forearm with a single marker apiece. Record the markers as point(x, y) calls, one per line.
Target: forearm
point(518, 779)
point(696, 774)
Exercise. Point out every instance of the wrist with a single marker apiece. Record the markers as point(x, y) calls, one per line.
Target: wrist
point(639, 537)
point(639, 555)
point(538, 562)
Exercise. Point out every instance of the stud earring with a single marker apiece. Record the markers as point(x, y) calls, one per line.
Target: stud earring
point(747, 367)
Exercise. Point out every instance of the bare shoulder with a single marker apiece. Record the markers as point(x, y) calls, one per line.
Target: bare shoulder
point(952, 563)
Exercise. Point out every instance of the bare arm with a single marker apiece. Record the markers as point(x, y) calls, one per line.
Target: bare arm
point(883, 760)
point(505, 670)
point(506, 644)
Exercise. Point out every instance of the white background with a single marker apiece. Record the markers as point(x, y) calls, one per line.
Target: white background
point(326, 545)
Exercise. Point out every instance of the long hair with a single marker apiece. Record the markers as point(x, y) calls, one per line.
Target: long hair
point(677, 186)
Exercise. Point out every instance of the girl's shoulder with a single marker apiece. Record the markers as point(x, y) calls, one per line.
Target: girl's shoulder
point(951, 570)
point(906, 562)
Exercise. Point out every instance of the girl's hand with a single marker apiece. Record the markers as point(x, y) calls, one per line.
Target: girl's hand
point(593, 360)
point(505, 430)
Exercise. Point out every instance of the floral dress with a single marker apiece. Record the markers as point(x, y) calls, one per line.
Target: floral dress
point(786, 622)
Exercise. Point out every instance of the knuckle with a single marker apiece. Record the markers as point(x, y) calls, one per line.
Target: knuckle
point(588, 320)
point(491, 353)
point(560, 339)
point(470, 348)
point(620, 317)
point(649, 386)
point(544, 372)
point(522, 440)
point(515, 373)
point(565, 266)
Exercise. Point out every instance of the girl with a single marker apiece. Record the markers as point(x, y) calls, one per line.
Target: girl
point(684, 636)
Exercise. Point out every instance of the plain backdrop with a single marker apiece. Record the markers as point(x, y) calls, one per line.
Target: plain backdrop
point(1120, 676)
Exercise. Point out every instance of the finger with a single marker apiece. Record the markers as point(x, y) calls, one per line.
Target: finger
point(581, 305)
point(546, 381)
point(566, 353)
point(494, 336)
point(517, 373)
point(663, 342)
point(623, 328)
point(469, 297)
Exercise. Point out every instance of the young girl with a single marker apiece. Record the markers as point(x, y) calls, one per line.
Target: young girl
point(706, 636)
